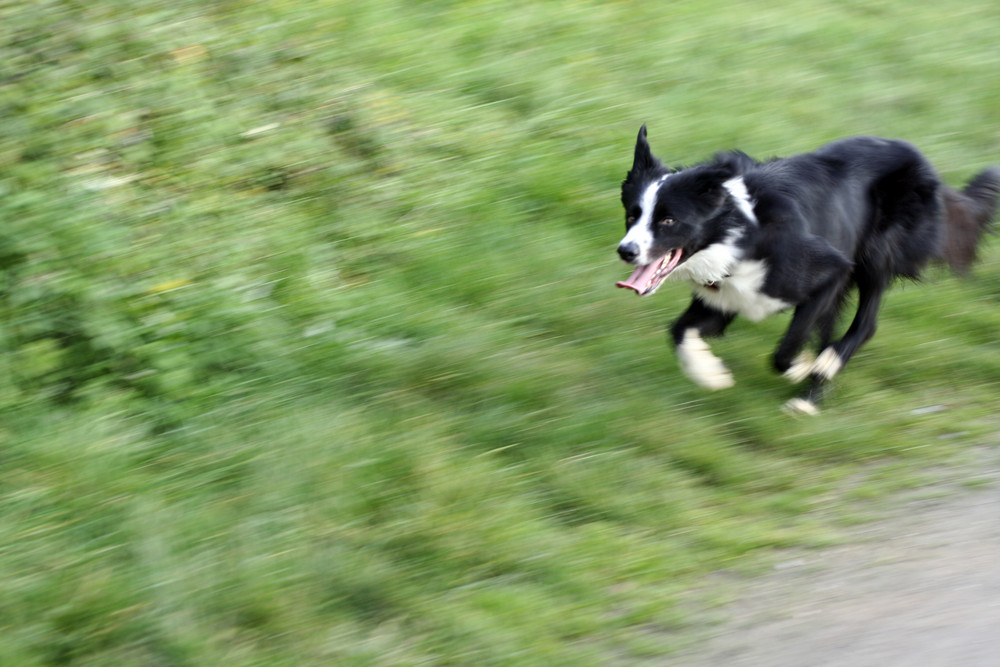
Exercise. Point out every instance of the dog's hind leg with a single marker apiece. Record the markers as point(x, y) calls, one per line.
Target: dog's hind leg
point(802, 364)
point(834, 357)
point(818, 312)
point(693, 353)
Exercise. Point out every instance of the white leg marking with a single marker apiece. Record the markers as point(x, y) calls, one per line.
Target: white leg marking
point(828, 364)
point(698, 363)
point(800, 406)
point(801, 367)
point(641, 233)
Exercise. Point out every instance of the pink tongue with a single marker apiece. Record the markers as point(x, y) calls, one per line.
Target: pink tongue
point(644, 279)
point(640, 277)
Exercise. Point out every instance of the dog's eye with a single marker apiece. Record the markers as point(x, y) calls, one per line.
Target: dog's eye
point(666, 222)
point(630, 220)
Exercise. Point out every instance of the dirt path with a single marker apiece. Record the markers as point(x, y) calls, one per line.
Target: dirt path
point(918, 587)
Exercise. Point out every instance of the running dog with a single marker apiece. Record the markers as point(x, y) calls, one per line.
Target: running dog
point(755, 238)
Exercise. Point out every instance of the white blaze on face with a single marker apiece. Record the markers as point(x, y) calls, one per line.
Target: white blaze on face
point(641, 233)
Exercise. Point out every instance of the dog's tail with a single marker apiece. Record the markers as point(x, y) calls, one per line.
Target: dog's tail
point(968, 213)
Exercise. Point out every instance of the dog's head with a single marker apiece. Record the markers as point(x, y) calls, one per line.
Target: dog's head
point(670, 215)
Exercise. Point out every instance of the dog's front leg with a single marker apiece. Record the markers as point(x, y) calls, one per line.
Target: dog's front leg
point(693, 353)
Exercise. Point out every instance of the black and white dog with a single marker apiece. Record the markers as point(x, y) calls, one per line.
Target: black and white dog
point(754, 238)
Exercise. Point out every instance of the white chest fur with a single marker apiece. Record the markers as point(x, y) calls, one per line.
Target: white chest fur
point(739, 292)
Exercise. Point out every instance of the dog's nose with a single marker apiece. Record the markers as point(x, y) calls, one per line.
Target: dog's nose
point(628, 251)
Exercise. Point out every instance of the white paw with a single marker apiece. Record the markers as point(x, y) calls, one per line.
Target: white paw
point(828, 364)
point(801, 367)
point(800, 406)
point(698, 363)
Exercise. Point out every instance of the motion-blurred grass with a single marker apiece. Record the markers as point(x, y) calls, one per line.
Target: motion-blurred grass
point(310, 350)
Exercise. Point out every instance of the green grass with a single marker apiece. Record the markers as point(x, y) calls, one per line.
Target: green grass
point(311, 352)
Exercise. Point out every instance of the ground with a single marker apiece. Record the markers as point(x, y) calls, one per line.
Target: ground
point(918, 586)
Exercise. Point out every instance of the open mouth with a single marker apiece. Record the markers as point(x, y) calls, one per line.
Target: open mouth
point(647, 278)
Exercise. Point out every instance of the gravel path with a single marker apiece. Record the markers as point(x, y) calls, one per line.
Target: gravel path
point(919, 587)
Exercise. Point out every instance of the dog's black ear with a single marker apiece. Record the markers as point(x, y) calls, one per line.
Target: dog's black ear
point(643, 159)
point(711, 176)
point(737, 162)
point(707, 183)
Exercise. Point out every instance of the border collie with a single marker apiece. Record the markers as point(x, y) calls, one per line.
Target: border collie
point(754, 238)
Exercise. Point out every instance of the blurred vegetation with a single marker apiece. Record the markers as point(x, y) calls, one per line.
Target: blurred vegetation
point(310, 350)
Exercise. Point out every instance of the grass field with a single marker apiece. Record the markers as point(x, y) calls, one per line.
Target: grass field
point(310, 351)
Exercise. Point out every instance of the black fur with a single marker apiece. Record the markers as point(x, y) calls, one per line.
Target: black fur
point(858, 212)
